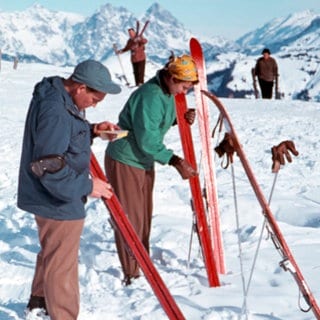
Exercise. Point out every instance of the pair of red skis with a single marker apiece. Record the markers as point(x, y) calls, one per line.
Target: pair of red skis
point(208, 225)
point(204, 200)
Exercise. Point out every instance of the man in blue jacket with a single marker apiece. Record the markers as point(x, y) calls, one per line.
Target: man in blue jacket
point(54, 180)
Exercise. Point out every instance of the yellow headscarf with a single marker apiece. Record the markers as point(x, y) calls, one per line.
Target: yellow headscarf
point(183, 68)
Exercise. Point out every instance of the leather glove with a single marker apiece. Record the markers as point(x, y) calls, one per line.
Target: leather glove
point(190, 116)
point(183, 167)
point(51, 163)
point(226, 148)
point(281, 151)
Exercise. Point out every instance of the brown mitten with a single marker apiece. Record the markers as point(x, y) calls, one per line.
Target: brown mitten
point(281, 151)
point(226, 147)
point(183, 167)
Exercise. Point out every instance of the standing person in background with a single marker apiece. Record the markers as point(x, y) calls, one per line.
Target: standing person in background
point(266, 70)
point(129, 162)
point(54, 180)
point(136, 44)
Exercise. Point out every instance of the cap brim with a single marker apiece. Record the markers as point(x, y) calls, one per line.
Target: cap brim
point(112, 88)
point(109, 87)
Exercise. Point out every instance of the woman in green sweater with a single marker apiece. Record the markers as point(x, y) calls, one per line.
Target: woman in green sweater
point(129, 162)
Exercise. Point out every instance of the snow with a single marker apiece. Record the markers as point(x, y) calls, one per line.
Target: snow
point(295, 203)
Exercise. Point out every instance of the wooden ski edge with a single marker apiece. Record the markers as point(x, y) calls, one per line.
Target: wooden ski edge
point(124, 226)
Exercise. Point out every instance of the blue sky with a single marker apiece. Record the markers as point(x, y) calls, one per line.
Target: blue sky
point(228, 18)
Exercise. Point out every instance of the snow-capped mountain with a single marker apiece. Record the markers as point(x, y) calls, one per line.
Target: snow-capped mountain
point(94, 37)
point(65, 39)
point(297, 31)
point(38, 34)
point(60, 38)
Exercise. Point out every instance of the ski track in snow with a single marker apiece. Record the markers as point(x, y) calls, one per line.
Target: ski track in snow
point(273, 293)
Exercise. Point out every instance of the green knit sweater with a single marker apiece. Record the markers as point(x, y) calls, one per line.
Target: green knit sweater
point(147, 115)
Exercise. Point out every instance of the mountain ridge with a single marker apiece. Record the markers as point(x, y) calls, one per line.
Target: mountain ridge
point(60, 38)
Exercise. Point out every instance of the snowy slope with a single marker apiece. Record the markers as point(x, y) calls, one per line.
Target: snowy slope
point(273, 295)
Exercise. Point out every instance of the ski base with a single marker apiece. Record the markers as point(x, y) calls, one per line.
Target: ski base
point(208, 164)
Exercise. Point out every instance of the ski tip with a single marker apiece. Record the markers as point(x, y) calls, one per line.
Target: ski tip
point(194, 40)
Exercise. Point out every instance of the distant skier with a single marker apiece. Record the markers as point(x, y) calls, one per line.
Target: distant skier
point(136, 44)
point(266, 70)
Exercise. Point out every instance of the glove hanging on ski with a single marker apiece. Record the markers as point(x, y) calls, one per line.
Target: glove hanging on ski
point(226, 147)
point(281, 151)
point(190, 116)
point(183, 167)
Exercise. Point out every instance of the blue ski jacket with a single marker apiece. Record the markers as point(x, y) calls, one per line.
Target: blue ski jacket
point(54, 125)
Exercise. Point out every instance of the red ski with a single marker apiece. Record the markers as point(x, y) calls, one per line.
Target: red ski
point(208, 164)
point(288, 262)
point(198, 205)
point(128, 233)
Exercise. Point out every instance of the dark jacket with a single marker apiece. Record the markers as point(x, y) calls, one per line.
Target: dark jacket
point(266, 69)
point(147, 115)
point(55, 126)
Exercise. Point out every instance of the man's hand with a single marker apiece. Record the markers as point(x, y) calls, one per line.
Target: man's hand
point(137, 39)
point(101, 189)
point(281, 151)
point(106, 126)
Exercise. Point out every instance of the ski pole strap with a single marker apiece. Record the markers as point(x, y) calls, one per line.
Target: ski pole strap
point(218, 124)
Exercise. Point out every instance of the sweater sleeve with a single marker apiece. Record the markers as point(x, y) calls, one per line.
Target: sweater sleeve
point(152, 118)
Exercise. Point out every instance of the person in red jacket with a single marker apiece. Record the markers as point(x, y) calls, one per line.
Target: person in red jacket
point(136, 44)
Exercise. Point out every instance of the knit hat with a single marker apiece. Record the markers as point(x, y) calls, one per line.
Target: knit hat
point(265, 50)
point(96, 76)
point(183, 68)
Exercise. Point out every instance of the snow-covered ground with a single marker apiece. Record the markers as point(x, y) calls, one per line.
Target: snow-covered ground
point(273, 293)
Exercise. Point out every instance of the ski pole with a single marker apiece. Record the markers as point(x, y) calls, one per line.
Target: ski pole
point(193, 227)
point(120, 62)
point(264, 225)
